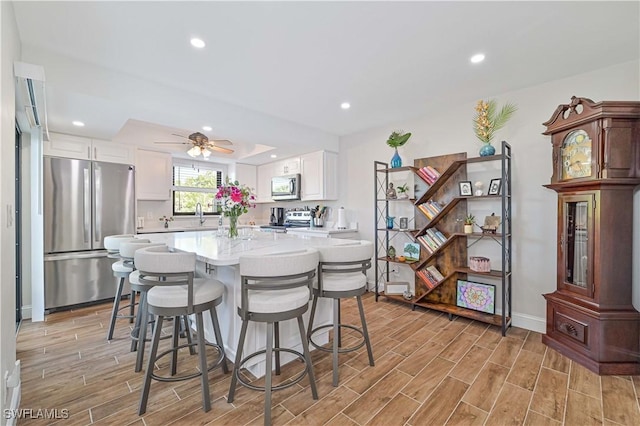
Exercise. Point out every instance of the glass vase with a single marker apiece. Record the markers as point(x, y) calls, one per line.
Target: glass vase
point(487, 150)
point(396, 161)
point(233, 226)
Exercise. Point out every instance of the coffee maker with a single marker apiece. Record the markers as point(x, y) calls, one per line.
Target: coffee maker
point(277, 216)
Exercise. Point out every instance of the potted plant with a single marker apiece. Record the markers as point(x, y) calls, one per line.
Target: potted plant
point(396, 139)
point(404, 191)
point(166, 220)
point(469, 221)
point(488, 120)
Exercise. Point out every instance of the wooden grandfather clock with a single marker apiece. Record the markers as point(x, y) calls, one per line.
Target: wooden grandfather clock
point(596, 166)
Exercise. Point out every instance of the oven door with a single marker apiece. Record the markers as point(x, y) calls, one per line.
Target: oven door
point(285, 187)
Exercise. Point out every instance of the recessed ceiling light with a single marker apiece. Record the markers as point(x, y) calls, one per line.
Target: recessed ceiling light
point(78, 123)
point(206, 128)
point(273, 156)
point(345, 105)
point(478, 57)
point(196, 42)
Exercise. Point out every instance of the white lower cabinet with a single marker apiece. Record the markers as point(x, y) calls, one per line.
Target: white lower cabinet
point(153, 175)
point(319, 176)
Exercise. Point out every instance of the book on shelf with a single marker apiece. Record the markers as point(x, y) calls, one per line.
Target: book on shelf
point(433, 207)
point(428, 280)
point(430, 237)
point(433, 173)
point(435, 272)
point(424, 176)
point(428, 245)
point(423, 208)
point(437, 235)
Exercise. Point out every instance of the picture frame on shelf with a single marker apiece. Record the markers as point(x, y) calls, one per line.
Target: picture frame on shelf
point(476, 296)
point(411, 252)
point(396, 287)
point(465, 188)
point(494, 186)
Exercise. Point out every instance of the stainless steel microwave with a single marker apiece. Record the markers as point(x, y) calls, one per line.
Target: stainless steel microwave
point(285, 187)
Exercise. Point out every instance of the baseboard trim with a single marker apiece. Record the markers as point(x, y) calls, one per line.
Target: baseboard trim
point(530, 322)
point(26, 312)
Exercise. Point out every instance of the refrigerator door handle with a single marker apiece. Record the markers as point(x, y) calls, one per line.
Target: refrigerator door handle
point(97, 185)
point(68, 256)
point(87, 205)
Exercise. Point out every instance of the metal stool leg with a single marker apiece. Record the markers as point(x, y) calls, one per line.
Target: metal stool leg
point(365, 333)
point(312, 316)
point(336, 339)
point(116, 307)
point(132, 306)
point(174, 342)
point(307, 357)
point(276, 330)
point(202, 352)
point(188, 335)
point(218, 334)
point(267, 377)
point(138, 323)
point(142, 332)
point(157, 329)
point(236, 365)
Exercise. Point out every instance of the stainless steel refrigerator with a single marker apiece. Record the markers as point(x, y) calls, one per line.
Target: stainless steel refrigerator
point(84, 201)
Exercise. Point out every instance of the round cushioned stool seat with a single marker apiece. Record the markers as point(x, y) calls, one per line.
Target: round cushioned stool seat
point(134, 278)
point(120, 268)
point(204, 290)
point(342, 282)
point(112, 242)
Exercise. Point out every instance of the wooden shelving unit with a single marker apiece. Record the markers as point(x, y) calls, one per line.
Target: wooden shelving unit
point(450, 257)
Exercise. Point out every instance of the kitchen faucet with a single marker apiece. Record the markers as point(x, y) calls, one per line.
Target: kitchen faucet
point(200, 214)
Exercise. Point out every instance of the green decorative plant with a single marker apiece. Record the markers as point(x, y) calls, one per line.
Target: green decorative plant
point(489, 118)
point(398, 138)
point(403, 189)
point(470, 219)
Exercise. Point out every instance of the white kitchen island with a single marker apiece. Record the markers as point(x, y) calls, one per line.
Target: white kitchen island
point(218, 257)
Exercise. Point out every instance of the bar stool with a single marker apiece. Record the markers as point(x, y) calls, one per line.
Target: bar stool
point(121, 270)
point(176, 292)
point(274, 288)
point(139, 332)
point(342, 274)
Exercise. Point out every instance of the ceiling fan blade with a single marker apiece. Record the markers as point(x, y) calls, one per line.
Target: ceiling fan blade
point(181, 136)
point(174, 143)
point(221, 141)
point(220, 149)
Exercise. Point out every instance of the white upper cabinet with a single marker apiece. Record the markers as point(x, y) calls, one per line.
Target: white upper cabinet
point(319, 176)
point(112, 152)
point(153, 175)
point(69, 146)
point(246, 175)
point(290, 166)
point(263, 186)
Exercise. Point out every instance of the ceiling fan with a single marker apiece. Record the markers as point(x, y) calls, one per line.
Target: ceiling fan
point(201, 144)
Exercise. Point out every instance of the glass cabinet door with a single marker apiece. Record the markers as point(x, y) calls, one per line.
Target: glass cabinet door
point(575, 247)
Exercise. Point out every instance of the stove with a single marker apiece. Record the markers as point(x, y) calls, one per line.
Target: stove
point(292, 219)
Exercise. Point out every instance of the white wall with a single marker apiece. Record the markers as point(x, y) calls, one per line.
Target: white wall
point(9, 50)
point(534, 207)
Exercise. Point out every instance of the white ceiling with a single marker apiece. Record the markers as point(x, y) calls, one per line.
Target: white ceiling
point(273, 74)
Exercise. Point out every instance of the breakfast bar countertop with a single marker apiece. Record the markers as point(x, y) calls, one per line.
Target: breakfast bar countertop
point(222, 251)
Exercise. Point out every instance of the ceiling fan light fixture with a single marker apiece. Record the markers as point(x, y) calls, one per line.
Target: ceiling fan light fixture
point(206, 153)
point(194, 151)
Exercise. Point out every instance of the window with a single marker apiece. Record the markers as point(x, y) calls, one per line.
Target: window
point(193, 184)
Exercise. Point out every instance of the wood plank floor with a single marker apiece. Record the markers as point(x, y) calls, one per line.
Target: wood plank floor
point(429, 371)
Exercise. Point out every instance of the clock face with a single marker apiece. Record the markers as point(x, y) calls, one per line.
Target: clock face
point(576, 155)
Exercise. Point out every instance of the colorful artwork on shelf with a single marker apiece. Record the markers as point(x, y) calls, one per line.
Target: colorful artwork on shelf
point(476, 296)
point(412, 251)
